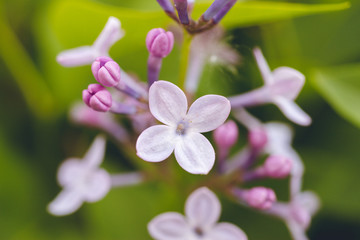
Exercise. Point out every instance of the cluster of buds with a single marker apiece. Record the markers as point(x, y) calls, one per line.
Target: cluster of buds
point(182, 128)
point(211, 17)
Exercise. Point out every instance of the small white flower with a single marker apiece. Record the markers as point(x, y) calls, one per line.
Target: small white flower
point(298, 213)
point(281, 88)
point(202, 211)
point(85, 55)
point(181, 134)
point(82, 181)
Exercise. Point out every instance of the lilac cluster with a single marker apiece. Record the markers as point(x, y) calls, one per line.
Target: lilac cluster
point(181, 128)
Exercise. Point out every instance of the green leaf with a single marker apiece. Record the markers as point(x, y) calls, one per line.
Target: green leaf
point(340, 86)
point(249, 13)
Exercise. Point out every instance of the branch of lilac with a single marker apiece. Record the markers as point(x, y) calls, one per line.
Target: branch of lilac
point(164, 120)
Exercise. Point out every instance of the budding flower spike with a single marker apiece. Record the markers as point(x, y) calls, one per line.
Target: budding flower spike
point(281, 88)
point(159, 44)
point(181, 132)
point(202, 211)
point(85, 55)
point(82, 180)
point(297, 214)
point(99, 99)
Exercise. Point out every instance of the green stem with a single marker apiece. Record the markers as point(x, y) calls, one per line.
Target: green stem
point(27, 77)
point(184, 59)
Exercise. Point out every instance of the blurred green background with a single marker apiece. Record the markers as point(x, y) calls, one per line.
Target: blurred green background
point(322, 41)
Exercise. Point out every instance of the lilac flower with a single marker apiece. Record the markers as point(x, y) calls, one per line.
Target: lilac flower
point(281, 88)
point(202, 211)
point(85, 55)
point(298, 213)
point(82, 181)
point(181, 132)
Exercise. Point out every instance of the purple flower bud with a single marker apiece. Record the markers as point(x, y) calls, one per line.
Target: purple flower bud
point(159, 43)
point(257, 138)
point(97, 98)
point(106, 71)
point(226, 135)
point(277, 166)
point(260, 197)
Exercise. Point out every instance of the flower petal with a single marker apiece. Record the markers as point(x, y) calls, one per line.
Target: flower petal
point(169, 226)
point(110, 34)
point(95, 155)
point(202, 208)
point(288, 82)
point(194, 153)
point(156, 143)
point(77, 56)
point(226, 231)
point(263, 67)
point(208, 112)
point(309, 201)
point(97, 186)
point(69, 170)
point(67, 202)
point(167, 102)
point(292, 111)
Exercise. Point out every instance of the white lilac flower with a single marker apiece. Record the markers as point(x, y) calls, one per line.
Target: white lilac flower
point(297, 214)
point(281, 88)
point(181, 132)
point(82, 180)
point(85, 55)
point(202, 211)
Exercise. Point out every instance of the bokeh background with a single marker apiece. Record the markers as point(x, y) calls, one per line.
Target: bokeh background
point(36, 93)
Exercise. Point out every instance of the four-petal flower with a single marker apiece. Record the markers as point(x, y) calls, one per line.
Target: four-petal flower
point(281, 87)
point(202, 211)
point(82, 181)
point(181, 134)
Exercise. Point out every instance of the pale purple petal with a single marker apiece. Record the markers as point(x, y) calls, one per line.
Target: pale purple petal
point(208, 112)
point(226, 231)
point(292, 111)
point(95, 155)
point(309, 201)
point(263, 67)
point(297, 232)
point(202, 209)
point(111, 33)
point(97, 186)
point(67, 202)
point(195, 153)
point(167, 102)
point(77, 56)
point(288, 82)
point(156, 143)
point(169, 226)
point(69, 170)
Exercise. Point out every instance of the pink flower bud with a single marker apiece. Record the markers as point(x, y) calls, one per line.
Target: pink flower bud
point(106, 71)
point(97, 98)
point(159, 43)
point(260, 197)
point(257, 138)
point(226, 135)
point(277, 166)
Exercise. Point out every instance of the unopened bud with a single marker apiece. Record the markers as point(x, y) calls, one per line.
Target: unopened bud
point(257, 138)
point(159, 42)
point(260, 197)
point(106, 71)
point(226, 135)
point(277, 166)
point(97, 98)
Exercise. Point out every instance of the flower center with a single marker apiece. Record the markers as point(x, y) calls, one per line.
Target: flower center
point(181, 128)
point(199, 232)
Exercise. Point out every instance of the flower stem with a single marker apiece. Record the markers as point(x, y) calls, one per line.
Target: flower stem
point(184, 59)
